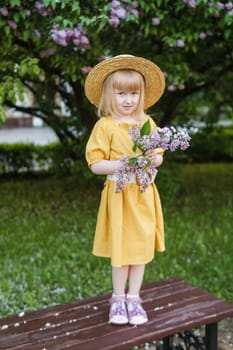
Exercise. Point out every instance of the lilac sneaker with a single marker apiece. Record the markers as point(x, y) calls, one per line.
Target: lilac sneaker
point(137, 315)
point(118, 313)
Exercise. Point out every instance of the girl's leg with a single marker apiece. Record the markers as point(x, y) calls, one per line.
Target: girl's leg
point(137, 315)
point(136, 273)
point(119, 279)
point(118, 313)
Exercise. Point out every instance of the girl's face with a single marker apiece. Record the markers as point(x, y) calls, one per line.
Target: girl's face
point(123, 95)
point(126, 102)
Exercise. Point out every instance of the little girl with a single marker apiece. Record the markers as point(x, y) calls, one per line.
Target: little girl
point(130, 223)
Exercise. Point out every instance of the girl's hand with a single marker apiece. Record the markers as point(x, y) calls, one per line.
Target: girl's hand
point(155, 158)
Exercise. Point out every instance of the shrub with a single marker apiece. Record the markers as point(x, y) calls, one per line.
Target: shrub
point(212, 145)
point(53, 158)
point(16, 158)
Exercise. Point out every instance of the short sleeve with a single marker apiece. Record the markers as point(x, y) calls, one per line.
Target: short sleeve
point(98, 145)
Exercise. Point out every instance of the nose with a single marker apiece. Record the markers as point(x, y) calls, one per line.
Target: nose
point(128, 98)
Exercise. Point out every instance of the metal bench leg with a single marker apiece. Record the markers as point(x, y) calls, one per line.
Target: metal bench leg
point(211, 336)
point(168, 343)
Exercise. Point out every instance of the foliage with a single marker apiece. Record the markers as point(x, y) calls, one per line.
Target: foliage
point(49, 46)
point(47, 228)
point(53, 158)
point(212, 143)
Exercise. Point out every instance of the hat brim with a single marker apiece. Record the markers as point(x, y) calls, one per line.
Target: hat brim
point(154, 77)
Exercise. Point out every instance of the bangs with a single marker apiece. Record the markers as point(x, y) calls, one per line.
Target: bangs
point(128, 80)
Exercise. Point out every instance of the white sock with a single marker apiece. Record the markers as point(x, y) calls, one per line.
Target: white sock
point(131, 296)
point(117, 295)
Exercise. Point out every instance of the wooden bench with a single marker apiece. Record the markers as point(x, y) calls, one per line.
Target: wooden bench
point(173, 306)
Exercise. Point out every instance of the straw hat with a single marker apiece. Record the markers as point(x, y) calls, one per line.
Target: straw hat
point(154, 77)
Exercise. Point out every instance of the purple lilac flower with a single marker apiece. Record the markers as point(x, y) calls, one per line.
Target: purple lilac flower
point(134, 132)
point(47, 52)
point(66, 36)
point(86, 69)
point(59, 36)
point(202, 35)
point(145, 173)
point(12, 24)
point(39, 5)
point(184, 139)
point(190, 3)
point(221, 5)
point(174, 144)
point(41, 8)
point(118, 11)
point(77, 32)
point(134, 12)
point(114, 22)
point(171, 87)
point(84, 42)
point(132, 8)
point(46, 12)
point(123, 174)
point(4, 11)
point(229, 6)
point(115, 4)
point(155, 21)
point(37, 33)
point(69, 32)
point(180, 43)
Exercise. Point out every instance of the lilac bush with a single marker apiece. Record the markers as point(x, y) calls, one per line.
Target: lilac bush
point(62, 40)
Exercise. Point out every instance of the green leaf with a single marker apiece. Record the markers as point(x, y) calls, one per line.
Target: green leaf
point(134, 147)
point(15, 3)
point(76, 6)
point(133, 160)
point(2, 115)
point(7, 30)
point(146, 128)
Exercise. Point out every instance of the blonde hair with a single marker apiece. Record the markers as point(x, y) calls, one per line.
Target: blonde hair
point(129, 80)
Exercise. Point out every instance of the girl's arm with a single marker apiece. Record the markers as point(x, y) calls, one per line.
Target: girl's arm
point(106, 167)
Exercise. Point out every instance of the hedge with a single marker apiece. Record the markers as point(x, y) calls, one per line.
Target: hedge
point(55, 157)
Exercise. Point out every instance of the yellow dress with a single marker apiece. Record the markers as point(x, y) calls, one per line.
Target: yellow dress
point(130, 223)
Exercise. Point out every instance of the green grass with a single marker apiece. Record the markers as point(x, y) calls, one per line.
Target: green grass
point(47, 227)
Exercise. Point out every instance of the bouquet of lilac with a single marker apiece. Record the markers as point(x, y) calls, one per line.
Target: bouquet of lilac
point(146, 139)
